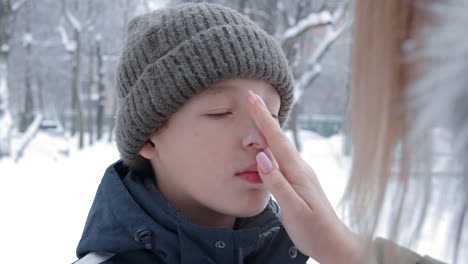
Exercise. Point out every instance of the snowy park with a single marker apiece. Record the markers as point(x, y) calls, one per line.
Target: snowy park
point(58, 104)
point(84, 83)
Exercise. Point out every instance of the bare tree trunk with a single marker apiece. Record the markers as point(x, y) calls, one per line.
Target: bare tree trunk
point(91, 74)
point(5, 116)
point(347, 144)
point(347, 147)
point(40, 96)
point(77, 110)
point(112, 122)
point(293, 123)
point(90, 103)
point(101, 91)
point(27, 115)
point(74, 94)
point(126, 15)
point(242, 6)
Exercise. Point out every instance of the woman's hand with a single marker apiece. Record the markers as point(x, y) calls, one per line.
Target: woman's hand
point(307, 214)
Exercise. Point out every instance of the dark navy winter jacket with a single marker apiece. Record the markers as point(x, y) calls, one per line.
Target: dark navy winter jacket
point(131, 222)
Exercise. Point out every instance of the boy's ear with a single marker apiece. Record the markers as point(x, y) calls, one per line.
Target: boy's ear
point(148, 150)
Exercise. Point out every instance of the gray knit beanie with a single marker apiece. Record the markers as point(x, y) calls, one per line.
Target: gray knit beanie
point(175, 53)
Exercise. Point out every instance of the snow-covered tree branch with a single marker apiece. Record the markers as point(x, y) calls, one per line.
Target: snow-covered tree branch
point(313, 20)
point(307, 66)
point(76, 25)
point(17, 5)
point(330, 37)
point(69, 45)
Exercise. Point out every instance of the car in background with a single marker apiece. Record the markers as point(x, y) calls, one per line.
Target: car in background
point(55, 132)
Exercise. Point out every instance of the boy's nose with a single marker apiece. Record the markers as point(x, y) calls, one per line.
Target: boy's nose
point(253, 137)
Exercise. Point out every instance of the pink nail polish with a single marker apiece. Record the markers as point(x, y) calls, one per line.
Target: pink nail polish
point(261, 101)
point(255, 97)
point(252, 96)
point(264, 163)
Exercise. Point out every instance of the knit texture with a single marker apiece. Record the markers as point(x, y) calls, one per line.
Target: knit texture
point(175, 53)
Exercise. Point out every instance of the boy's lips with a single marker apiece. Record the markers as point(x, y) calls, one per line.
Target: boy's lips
point(251, 168)
point(252, 177)
point(250, 174)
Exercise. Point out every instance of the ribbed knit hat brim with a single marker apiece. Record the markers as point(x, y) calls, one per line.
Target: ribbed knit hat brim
point(174, 54)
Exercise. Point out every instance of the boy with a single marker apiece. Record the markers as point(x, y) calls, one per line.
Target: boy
point(187, 188)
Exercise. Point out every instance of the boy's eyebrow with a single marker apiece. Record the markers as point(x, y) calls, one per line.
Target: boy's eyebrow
point(215, 90)
point(221, 88)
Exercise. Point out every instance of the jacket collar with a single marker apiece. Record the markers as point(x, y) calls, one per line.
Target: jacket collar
point(129, 213)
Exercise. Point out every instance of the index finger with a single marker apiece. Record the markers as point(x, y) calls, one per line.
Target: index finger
point(285, 153)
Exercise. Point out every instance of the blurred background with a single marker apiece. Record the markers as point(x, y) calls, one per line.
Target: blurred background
point(57, 74)
point(58, 60)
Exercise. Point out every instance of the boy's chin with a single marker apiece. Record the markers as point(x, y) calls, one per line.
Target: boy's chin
point(251, 210)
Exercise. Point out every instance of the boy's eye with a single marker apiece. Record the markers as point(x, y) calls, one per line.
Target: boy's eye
point(219, 114)
point(227, 113)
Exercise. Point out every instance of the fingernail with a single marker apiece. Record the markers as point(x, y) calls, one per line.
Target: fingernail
point(254, 97)
point(261, 101)
point(264, 163)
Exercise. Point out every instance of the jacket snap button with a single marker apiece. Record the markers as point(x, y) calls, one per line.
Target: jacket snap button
point(293, 252)
point(220, 244)
point(143, 236)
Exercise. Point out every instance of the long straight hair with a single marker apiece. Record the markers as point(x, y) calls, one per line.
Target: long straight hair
point(392, 182)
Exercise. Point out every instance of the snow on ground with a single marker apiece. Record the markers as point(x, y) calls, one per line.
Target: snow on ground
point(331, 167)
point(45, 197)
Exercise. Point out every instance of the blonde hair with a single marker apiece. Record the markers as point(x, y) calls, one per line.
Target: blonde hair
point(391, 176)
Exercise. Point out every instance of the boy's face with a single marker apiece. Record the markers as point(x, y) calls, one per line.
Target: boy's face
point(205, 144)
